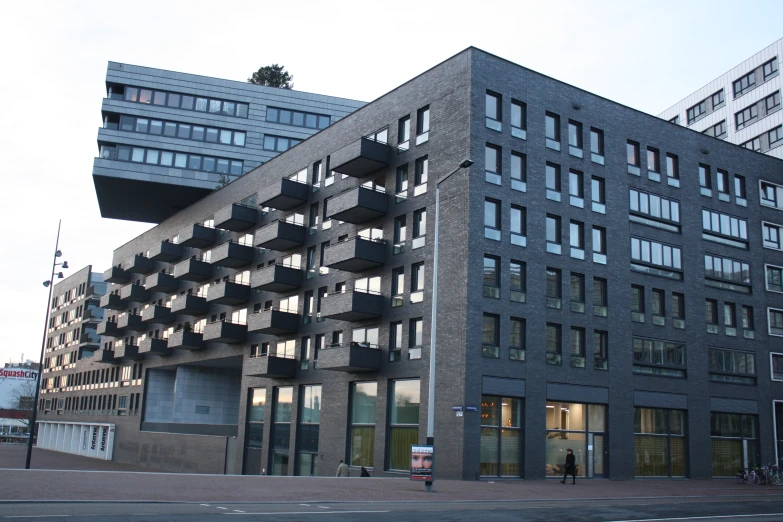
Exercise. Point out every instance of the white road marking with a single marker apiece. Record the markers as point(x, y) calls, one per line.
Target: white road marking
point(324, 507)
point(713, 517)
point(207, 505)
point(219, 507)
point(280, 513)
point(240, 511)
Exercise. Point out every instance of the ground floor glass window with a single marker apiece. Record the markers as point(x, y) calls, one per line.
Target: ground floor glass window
point(579, 427)
point(403, 422)
point(501, 436)
point(734, 443)
point(659, 443)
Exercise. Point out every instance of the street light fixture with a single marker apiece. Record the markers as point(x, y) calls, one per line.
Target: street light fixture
point(464, 164)
point(50, 285)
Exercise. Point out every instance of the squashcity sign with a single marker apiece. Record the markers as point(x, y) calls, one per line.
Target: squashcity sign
point(18, 374)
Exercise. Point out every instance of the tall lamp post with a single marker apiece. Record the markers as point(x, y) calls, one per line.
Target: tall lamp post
point(50, 284)
point(434, 321)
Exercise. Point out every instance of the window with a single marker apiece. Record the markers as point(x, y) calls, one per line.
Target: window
point(772, 102)
point(553, 288)
point(740, 191)
point(493, 108)
point(279, 143)
point(754, 144)
point(501, 438)
point(705, 180)
point(419, 228)
point(368, 285)
point(183, 101)
point(729, 316)
point(717, 99)
point(491, 277)
point(599, 245)
point(718, 130)
point(403, 422)
point(727, 273)
point(417, 282)
point(732, 366)
point(770, 68)
point(673, 169)
point(404, 133)
point(658, 357)
point(653, 160)
point(657, 255)
point(415, 338)
point(598, 194)
point(777, 367)
point(364, 396)
point(400, 229)
point(697, 111)
point(771, 194)
point(492, 219)
point(575, 138)
point(711, 315)
point(577, 292)
point(553, 237)
point(637, 303)
point(597, 145)
point(658, 307)
point(516, 339)
point(577, 347)
point(665, 212)
point(517, 283)
point(518, 226)
point(601, 350)
point(398, 286)
point(181, 130)
point(518, 172)
point(518, 119)
point(746, 116)
point(770, 233)
point(675, 120)
point(492, 166)
point(552, 131)
point(775, 136)
point(774, 278)
point(490, 336)
point(678, 310)
point(281, 429)
point(401, 190)
point(576, 188)
point(576, 238)
point(662, 433)
point(744, 84)
point(723, 183)
point(775, 318)
point(552, 181)
point(724, 225)
point(632, 157)
point(600, 296)
point(553, 344)
point(422, 125)
point(172, 159)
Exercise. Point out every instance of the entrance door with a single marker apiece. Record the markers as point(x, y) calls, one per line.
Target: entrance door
point(595, 455)
point(252, 464)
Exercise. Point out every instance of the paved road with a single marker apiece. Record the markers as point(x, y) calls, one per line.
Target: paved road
point(726, 509)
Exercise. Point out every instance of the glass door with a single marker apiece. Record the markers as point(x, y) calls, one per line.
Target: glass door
point(596, 448)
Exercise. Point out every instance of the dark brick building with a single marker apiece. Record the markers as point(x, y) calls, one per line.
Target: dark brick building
point(607, 282)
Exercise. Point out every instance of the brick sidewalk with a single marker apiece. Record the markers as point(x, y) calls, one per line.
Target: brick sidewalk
point(109, 481)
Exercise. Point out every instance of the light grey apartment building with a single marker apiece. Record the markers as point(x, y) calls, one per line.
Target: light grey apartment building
point(607, 282)
point(741, 106)
point(169, 138)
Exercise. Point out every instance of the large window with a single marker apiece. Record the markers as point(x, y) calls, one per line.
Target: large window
point(254, 433)
point(281, 430)
point(308, 430)
point(501, 436)
point(297, 118)
point(181, 101)
point(658, 357)
point(581, 428)
point(654, 210)
point(724, 229)
point(734, 443)
point(732, 366)
point(403, 422)
point(744, 84)
point(727, 273)
point(184, 131)
point(646, 255)
point(279, 143)
point(659, 443)
point(178, 160)
point(363, 400)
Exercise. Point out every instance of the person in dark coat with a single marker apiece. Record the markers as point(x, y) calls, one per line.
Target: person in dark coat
point(570, 466)
point(365, 473)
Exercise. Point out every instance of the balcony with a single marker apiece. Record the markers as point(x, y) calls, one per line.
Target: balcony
point(232, 255)
point(157, 314)
point(225, 332)
point(358, 205)
point(189, 305)
point(113, 302)
point(228, 293)
point(352, 306)
point(105, 356)
point(284, 195)
point(280, 236)
point(116, 275)
point(130, 322)
point(362, 157)
point(270, 366)
point(108, 328)
point(139, 265)
point(134, 293)
point(192, 270)
point(89, 338)
point(235, 217)
point(128, 352)
point(276, 278)
point(166, 251)
point(161, 283)
point(154, 347)
point(356, 254)
point(183, 340)
point(273, 322)
point(197, 236)
point(350, 357)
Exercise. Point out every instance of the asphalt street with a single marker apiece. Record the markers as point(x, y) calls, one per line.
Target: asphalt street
point(726, 509)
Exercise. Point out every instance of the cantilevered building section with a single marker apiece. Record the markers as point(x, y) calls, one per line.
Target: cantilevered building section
point(608, 282)
point(168, 138)
point(741, 106)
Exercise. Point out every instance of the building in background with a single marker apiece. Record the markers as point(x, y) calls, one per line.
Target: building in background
point(608, 282)
point(741, 106)
point(169, 138)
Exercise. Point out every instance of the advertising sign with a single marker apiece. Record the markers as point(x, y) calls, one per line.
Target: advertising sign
point(422, 459)
point(13, 373)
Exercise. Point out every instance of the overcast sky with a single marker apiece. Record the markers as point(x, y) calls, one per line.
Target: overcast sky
point(53, 57)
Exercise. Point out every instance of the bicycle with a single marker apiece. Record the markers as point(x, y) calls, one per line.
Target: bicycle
point(774, 475)
point(742, 476)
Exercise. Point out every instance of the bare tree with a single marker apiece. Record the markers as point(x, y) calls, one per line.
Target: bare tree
point(22, 398)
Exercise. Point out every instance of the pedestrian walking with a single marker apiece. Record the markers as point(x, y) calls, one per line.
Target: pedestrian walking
point(365, 473)
point(342, 470)
point(570, 466)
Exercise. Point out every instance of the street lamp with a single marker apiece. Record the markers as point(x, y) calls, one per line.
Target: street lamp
point(434, 321)
point(49, 284)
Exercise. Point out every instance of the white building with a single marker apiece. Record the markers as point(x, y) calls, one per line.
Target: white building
point(741, 106)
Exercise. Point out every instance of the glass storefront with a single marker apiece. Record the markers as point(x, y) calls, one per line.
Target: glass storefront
point(501, 436)
point(581, 428)
point(254, 432)
point(734, 443)
point(281, 430)
point(659, 443)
